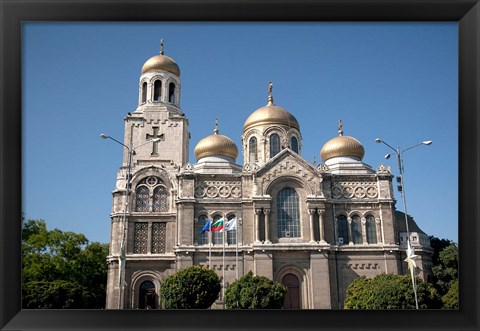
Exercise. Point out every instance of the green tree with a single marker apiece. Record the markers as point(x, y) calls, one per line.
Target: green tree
point(446, 270)
point(194, 287)
point(61, 269)
point(255, 292)
point(450, 299)
point(445, 275)
point(389, 291)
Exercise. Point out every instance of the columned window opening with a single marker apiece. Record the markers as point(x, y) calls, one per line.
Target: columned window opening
point(202, 238)
point(144, 92)
point(357, 230)
point(217, 236)
point(294, 144)
point(157, 90)
point(274, 144)
point(371, 230)
point(171, 93)
point(288, 214)
point(342, 225)
point(232, 234)
point(252, 149)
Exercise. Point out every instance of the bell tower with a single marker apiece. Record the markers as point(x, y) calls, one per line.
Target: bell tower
point(158, 116)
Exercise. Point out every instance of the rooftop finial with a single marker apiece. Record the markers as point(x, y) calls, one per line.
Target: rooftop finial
point(340, 128)
point(216, 126)
point(270, 96)
point(161, 46)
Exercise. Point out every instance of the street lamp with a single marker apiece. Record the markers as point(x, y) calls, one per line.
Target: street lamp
point(401, 187)
point(121, 257)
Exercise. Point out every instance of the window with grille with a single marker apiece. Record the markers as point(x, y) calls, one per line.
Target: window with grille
point(274, 144)
point(151, 195)
point(158, 237)
point(160, 198)
point(140, 238)
point(342, 225)
point(371, 230)
point(357, 230)
point(143, 197)
point(288, 214)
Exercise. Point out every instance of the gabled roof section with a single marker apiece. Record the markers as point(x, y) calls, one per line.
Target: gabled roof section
point(296, 161)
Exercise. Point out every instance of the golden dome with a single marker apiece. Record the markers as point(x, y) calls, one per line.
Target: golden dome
point(161, 62)
point(342, 146)
point(271, 114)
point(216, 145)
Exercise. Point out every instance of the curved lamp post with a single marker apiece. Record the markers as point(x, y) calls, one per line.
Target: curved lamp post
point(121, 257)
point(401, 187)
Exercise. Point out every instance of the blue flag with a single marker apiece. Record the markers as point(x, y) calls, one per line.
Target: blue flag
point(207, 226)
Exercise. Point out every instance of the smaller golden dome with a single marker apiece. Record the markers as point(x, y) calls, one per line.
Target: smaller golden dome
point(270, 114)
point(161, 62)
point(216, 145)
point(342, 146)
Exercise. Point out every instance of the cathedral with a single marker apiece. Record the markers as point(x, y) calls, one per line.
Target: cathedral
point(311, 227)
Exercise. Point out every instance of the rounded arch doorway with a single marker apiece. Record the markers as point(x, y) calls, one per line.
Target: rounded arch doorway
point(147, 296)
point(292, 298)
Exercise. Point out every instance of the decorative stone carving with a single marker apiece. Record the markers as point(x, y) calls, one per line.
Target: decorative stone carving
point(354, 190)
point(218, 189)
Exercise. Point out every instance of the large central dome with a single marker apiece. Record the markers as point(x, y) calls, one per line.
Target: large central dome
point(271, 115)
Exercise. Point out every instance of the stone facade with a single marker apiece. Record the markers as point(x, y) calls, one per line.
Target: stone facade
point(314, 228)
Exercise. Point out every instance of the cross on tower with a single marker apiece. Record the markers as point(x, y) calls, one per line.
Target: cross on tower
point(155, 143)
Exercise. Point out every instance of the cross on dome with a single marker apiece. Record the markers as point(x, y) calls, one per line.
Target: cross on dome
point(161, 47)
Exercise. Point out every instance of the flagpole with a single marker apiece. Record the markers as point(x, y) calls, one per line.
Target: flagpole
point(223, 269)
point(236, 252)
point(209, 244)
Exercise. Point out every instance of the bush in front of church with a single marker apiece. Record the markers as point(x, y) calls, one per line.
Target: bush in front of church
point(389, 291)
point(255, 292)
point(194, 287)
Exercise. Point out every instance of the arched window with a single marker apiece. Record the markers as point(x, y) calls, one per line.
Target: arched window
point(143, 197)
point(171, 93)
point(357, 230)
point(252, 149)
point(144, 92)
point(157, 90)
point(288, 214)
point(202, 238)
point(160, 198)
point(151, 192)
point(371, 230)
point(147, 296)
point(274, 144)
point(342, 225)
point(232, 234)
point(294, 144)
point(217, 236)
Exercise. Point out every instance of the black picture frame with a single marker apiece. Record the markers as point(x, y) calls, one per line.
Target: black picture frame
point(466, 13)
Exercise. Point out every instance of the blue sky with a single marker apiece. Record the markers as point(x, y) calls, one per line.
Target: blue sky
point(395, 81)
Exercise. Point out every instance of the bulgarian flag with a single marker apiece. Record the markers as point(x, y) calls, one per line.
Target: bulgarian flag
point(217, 225)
